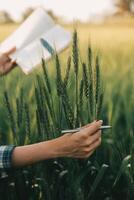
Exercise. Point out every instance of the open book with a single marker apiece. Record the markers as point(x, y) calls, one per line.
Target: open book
point(29, 38)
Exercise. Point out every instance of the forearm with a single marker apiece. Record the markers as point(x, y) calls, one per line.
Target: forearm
point(30, 154)
point(77, 145)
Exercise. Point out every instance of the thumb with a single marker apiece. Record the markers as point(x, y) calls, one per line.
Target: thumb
point(12, 50)
point(87, 125)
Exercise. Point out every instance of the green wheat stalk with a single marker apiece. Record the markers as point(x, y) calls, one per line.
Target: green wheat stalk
point(21, 106)
point(91, 82)
point(91, 100)
point(75, 56)
point(40, 114)
point(27, 122)
point(46, 77)
point(58, 76)
point(48, 92)
point(43, 107)
point(67, 72)
point(90, 61)
point(50, 109)
point(38, 125)
point(86, 88)
point(97, 90)
point(132, 159)
point(18, 111)
point(67, 108)
point(85, 80)
point(100, 104)
point(60, 90)
point(81, 100)
point(11, 117)
point(75, 53)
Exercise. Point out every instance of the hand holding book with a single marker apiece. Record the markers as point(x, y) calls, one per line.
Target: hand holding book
point(6, 64)
point(27, 40)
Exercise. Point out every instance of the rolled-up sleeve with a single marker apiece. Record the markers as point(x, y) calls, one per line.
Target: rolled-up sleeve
point(6, 156)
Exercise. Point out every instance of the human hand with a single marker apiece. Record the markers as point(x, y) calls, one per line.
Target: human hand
point(77, 145)
point(6, 65)
point(80, 144)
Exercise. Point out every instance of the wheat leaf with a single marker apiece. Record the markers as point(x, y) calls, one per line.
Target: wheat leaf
point(123, 167)
point(98, 179)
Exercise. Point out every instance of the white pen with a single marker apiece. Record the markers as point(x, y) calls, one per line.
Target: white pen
point(78, 129)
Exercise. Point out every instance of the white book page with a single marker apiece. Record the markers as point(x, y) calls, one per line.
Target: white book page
point(38, 23)
point(31, 56)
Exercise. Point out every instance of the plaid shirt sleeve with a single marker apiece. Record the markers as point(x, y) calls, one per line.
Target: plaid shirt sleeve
point(6, 156)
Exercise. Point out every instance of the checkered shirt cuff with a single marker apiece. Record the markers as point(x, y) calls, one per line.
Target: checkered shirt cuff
point(6, 156)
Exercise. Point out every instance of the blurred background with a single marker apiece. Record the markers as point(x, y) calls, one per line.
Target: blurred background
point(107, 23)
point(86, 11)
point(101, 21)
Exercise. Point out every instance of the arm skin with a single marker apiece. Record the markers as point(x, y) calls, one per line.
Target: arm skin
point(78, 145)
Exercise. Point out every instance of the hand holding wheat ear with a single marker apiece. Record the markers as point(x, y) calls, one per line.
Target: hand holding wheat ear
point(6, 65)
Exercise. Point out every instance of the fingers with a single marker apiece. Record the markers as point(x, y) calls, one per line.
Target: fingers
point(93, 138)
point(93, 128)
point(83, 143)
point(8, 53)
point(85, 155)
point(94, 145)
point(6, 64)
point(87, 125)
point(89, 151)
point(8, 67)
point(89, 154)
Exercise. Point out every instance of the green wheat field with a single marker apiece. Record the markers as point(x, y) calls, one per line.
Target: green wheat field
point(109, 173)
